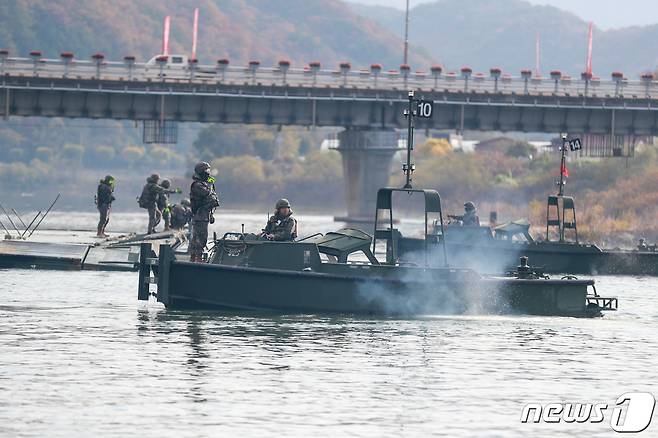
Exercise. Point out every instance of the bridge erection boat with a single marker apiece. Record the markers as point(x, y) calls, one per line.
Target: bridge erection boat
point(497, 249)
point(322, 274)
point(338, 273)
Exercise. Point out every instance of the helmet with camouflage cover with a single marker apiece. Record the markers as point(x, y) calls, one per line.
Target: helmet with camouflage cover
point(165, 183)
point(186, 202)
point(154, 178)
point(469, 206)
point(202, 167)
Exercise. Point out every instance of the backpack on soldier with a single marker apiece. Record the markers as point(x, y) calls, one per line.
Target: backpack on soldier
point(144, 199)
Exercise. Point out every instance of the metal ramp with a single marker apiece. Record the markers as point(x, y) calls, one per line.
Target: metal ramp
point(106, 258)
point(40, 255)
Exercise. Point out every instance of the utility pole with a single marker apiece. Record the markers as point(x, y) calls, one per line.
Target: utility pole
point(406, 35)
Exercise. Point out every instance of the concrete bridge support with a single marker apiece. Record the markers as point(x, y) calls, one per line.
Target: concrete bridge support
point(367, 155)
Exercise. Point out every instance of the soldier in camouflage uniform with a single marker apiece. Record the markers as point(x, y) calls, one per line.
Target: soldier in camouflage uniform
point(181, 214)
point(163, 204)
point(104, 199)
point(281, 227)
point(470, 218)
point(204, 200)
point(149, 200)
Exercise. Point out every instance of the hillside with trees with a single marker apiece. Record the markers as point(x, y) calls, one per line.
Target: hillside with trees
point(484, 34)
point(616, 200)
point(242, 30)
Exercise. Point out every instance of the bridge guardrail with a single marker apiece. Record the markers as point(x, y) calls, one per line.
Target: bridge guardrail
point(359, 79)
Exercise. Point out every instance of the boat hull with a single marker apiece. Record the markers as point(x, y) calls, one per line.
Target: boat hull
point(493, 257)
point(411, 291)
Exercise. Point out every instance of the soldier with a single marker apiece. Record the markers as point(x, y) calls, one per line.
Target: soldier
point(281, 227)
point(470, 218)
point(104, 199)
point(163, 204)
point(181, 214)
point(203, 200)
point(149, 200)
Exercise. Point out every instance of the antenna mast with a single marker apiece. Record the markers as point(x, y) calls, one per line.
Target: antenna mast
point(563, 163)
point(408, 168)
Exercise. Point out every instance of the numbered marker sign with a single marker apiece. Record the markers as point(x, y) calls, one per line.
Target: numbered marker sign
point(575, 144)
point(425, 109)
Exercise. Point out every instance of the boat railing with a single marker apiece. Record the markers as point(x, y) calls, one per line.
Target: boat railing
point(604, 303)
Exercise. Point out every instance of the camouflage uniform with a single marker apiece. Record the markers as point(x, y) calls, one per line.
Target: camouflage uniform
point(149, 200)
point(204, 200)
point(104, 199)
point(470, 218)
point(279, 227)
point(181, 215)
point(163, 204)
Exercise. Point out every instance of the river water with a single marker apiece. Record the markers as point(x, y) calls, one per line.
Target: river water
point(80, 356)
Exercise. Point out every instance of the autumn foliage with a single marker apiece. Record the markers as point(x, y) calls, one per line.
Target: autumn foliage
point(616, 201)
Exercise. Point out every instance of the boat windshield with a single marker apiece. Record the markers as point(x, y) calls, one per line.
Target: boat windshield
point(340, 244)
point(515, 230)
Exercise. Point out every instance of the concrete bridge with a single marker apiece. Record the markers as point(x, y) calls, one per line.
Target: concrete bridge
point(367, 103)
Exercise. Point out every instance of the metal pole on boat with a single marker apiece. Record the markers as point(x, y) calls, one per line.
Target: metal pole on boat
point(28, 227)
point(10, 221)
point(409, 113)
point(5, 228)
point(562, 164)
point(19, 217)
point(44, 216)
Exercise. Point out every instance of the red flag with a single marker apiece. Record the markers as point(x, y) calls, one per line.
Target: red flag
point(564, 170)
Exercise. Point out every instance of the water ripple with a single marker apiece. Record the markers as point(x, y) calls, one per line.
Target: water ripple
point(80, 357)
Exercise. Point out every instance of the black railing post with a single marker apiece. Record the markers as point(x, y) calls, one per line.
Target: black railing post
point(144, 272)
point(164, 265)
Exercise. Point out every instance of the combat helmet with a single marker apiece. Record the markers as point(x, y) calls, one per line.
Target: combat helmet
point(282, 203)
point(469, 206)
point(165, 183)
point(202, 167)
point(186, 202)
point(154, 178)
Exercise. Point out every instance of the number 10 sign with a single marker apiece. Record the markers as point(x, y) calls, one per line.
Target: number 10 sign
point(424, 109)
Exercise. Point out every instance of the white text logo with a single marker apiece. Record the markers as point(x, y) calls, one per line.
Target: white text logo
point(631, 413)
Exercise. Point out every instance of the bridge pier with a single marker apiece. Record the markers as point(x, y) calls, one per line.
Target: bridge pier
point(367, 155)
